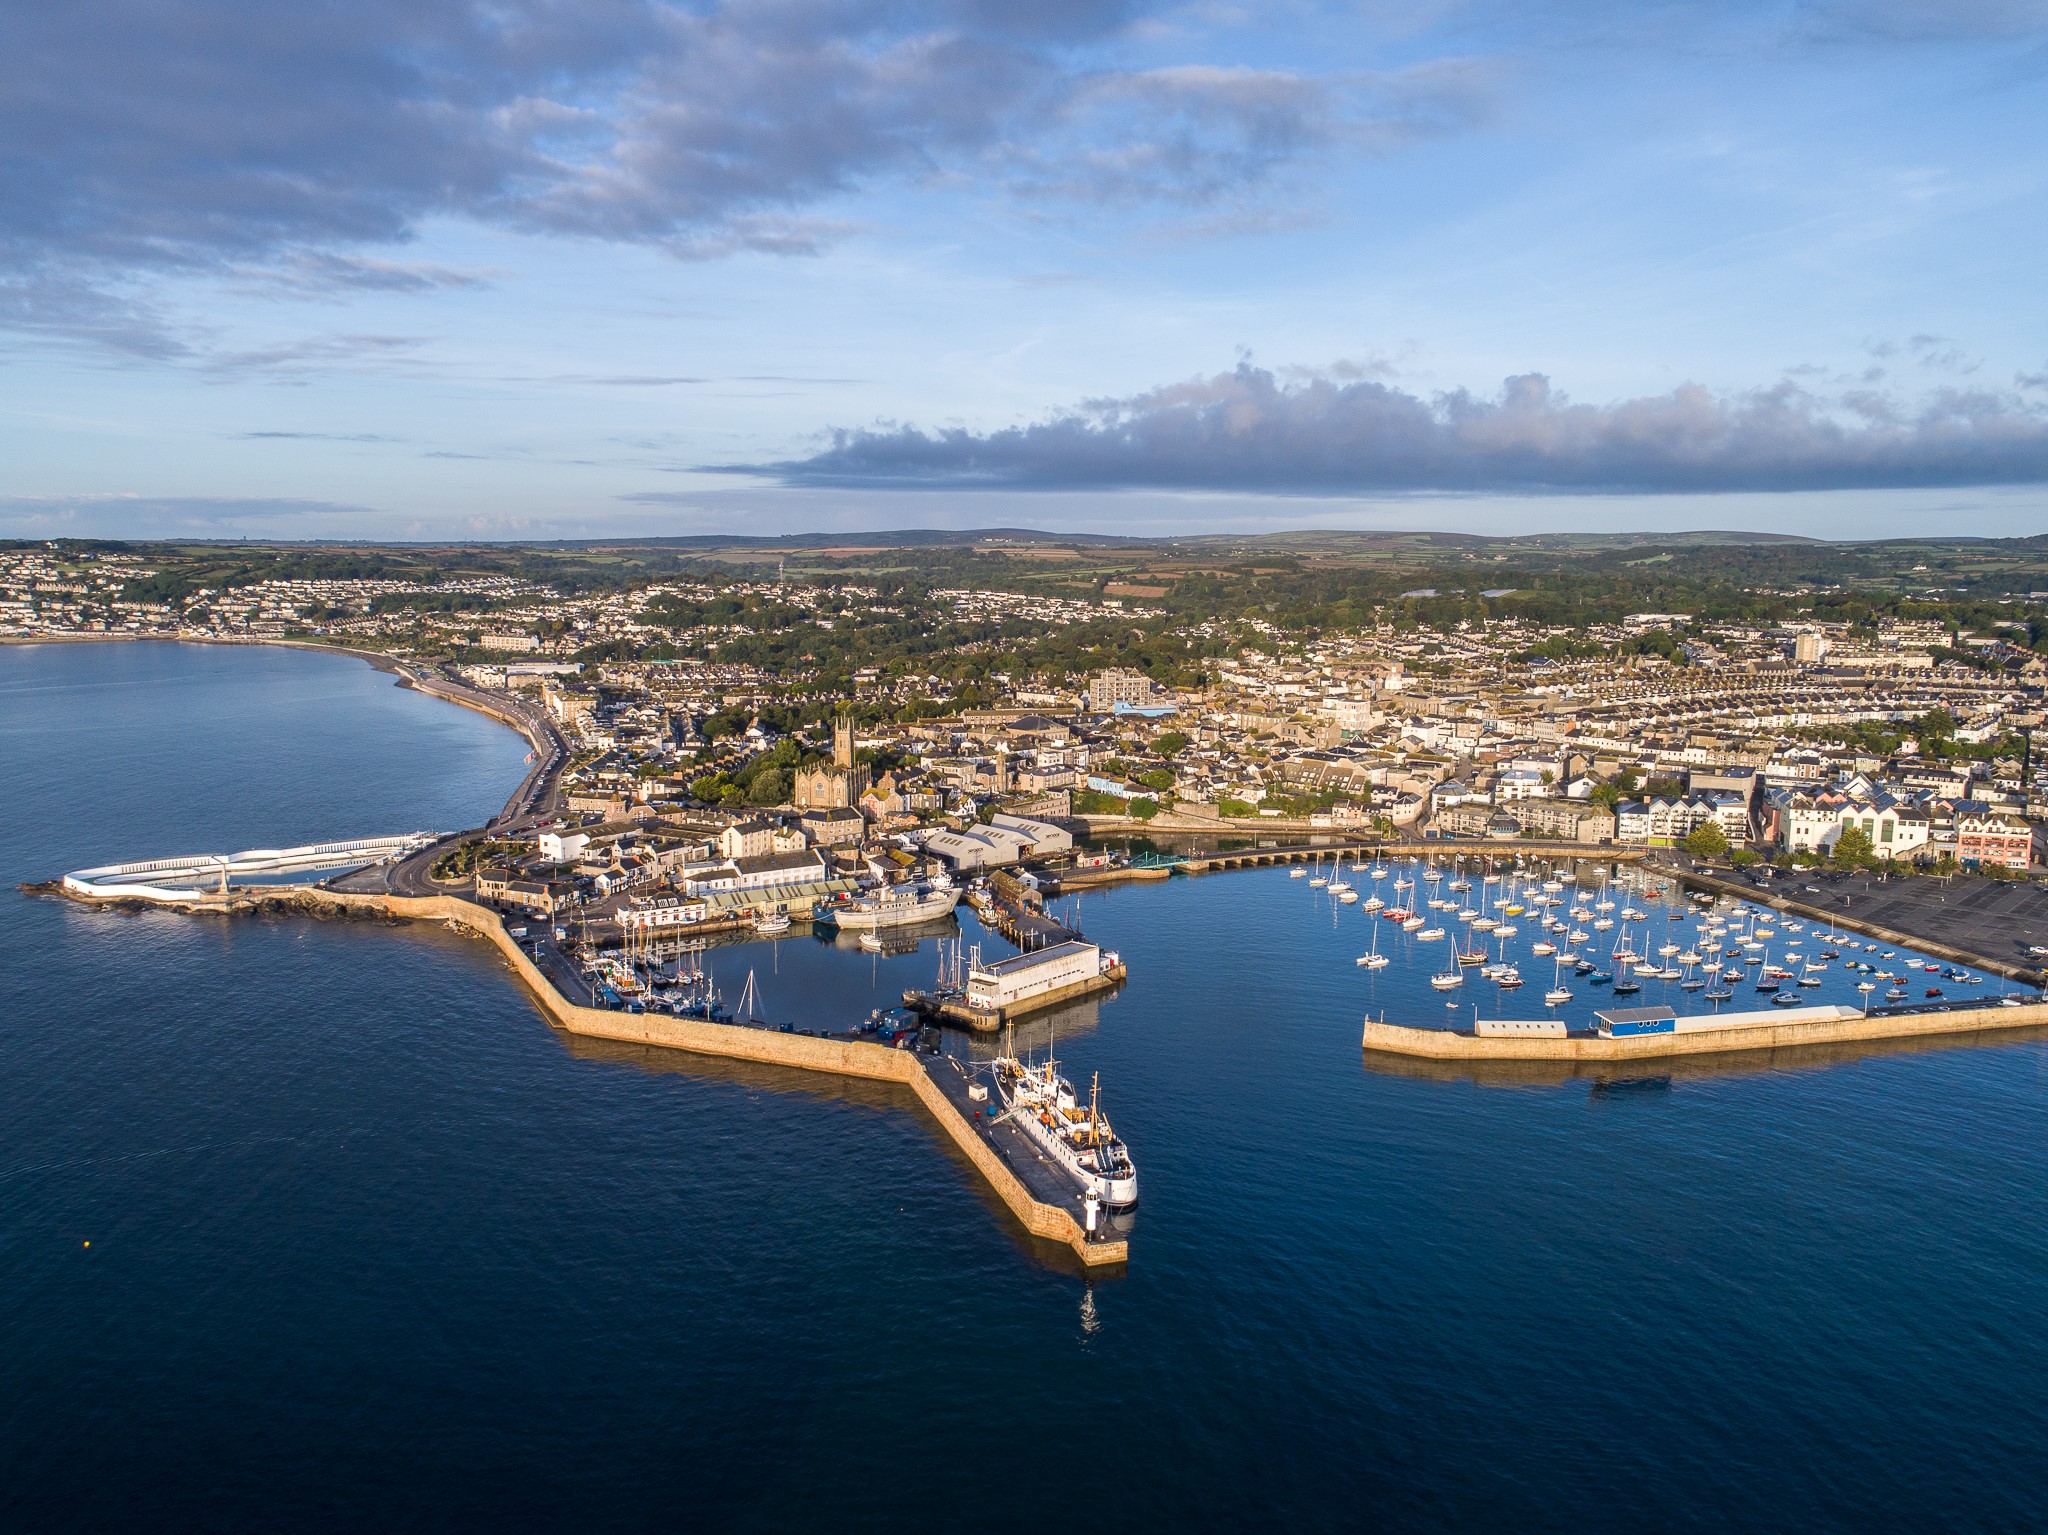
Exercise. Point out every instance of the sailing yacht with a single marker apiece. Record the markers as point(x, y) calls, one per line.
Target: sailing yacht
point(1559, 993)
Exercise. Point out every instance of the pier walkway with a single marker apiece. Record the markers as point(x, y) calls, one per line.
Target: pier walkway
point(1045, 1210)
point(1263, 857)
point(1791, 1032)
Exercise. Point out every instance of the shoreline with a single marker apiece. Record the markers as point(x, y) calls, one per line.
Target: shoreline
point(407, 673)
point(2031, 975)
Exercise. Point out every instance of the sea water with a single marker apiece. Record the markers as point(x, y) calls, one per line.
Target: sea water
point(373, 1247)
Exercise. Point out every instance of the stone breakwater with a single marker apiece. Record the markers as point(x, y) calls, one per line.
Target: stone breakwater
point(1451, 1045)
point(836, 1057)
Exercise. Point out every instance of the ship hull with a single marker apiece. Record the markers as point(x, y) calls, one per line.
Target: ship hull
point(883, 915)
point(1112, 1192)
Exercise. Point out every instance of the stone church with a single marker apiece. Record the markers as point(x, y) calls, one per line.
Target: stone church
point(836, 785)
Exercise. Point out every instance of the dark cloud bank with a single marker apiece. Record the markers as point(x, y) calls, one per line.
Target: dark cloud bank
point(1247, 431)
point(273, 142)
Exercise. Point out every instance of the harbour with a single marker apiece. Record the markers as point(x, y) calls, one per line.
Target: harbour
point(349, 1130)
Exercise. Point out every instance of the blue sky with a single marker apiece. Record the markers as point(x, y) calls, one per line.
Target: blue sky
point(552, 269)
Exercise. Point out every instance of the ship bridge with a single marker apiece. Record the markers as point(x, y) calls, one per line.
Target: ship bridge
point(179, 879)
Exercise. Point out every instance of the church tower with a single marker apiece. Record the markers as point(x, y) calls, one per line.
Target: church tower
point(840, 785)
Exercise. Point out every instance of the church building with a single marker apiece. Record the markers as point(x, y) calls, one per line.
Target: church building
point(836, 785)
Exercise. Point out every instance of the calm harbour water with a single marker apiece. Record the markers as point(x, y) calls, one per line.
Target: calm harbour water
point(372, 1247)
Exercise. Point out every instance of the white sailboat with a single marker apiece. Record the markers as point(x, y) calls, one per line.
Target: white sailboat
point(1559, 993)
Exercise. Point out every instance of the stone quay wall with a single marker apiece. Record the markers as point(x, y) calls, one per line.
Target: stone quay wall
point(803, 1052)
point(1445, 1045)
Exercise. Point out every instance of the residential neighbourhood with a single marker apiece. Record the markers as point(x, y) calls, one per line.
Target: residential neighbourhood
point(703, 789)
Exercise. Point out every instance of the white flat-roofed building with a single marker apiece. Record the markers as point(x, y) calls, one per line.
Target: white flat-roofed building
point(1010, 981)
point(562, 847)
point(646, 914)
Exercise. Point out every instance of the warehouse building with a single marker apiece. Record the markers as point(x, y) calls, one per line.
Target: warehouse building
point(1010, 981)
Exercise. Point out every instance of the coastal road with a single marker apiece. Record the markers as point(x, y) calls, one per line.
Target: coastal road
point(534, 803)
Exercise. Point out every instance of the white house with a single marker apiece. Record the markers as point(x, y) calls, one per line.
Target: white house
point(562, 847)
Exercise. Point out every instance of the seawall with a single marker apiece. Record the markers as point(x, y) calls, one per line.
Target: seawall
point(801, 1052)
point(1446, 1045)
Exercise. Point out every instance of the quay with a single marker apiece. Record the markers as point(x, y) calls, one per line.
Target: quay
point(1268, 857)
point(1818, 1026)
point(1041, 1202)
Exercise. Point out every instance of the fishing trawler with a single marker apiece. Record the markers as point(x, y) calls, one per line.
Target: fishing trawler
point(1077, 1140)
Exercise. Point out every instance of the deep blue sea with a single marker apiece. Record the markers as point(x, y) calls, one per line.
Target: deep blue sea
point(372, 1247)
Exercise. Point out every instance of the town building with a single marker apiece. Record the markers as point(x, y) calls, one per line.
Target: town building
point(1108, 689)
point(1010, 981)
point(839, 784)
point(1986, 836)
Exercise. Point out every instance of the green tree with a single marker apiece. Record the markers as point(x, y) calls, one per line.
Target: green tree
point(1852, 847)
point(1160, 778)
point(1707, 840)
point(1144, 807)
point(1171, 744)
point(769, 788)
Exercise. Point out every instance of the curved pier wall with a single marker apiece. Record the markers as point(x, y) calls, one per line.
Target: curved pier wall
point(846, 1058)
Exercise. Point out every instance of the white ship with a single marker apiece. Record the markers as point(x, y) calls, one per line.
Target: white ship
point(891, 906)
point(1077, 1140)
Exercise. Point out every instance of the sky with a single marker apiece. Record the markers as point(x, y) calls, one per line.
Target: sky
point(427, 269)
